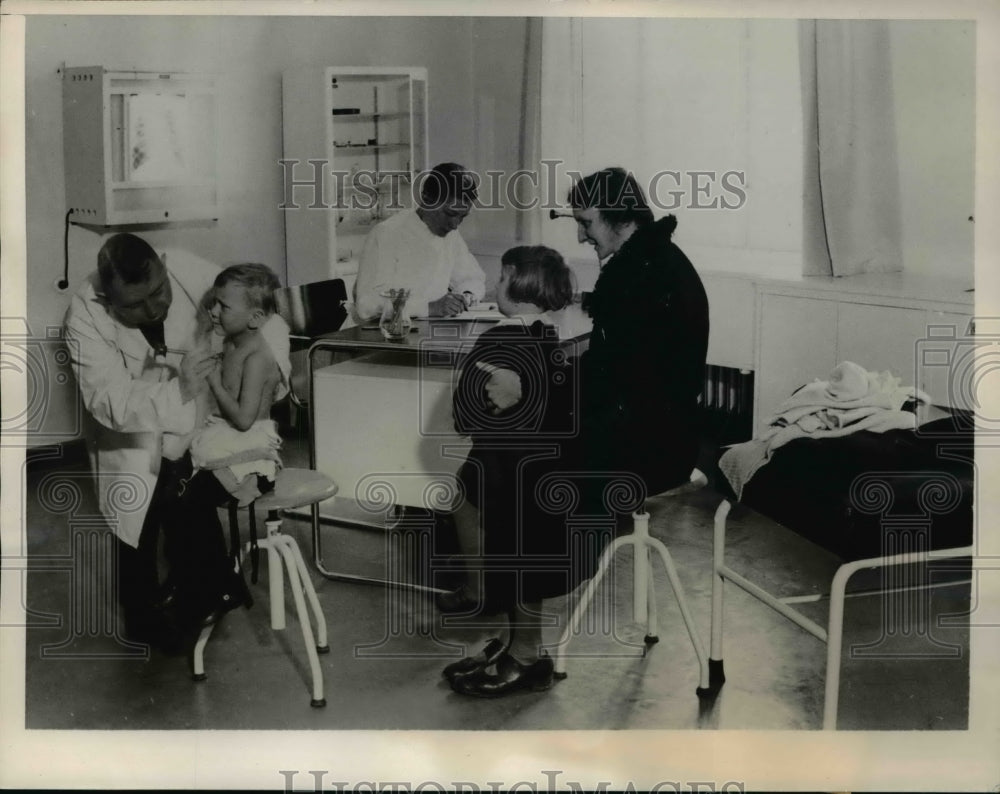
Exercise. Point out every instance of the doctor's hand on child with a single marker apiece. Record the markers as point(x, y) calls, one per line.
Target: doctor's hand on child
point(194, 370)
point(503, 389)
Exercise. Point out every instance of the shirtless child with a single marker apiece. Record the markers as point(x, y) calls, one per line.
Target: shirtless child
point(242, 440)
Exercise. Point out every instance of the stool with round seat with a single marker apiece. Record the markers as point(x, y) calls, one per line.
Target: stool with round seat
point(293, 488)
point(643, 595)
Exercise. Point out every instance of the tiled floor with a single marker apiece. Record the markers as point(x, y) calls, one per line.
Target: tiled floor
point(387, 648)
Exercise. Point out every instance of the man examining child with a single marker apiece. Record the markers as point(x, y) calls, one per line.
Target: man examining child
point(131, 332)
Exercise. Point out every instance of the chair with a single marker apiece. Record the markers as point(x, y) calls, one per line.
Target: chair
point(643, 594)
point(293, 488)
point(310, 310)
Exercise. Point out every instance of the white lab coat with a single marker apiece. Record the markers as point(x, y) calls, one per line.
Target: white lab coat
point(401, 252)
point(135, 402)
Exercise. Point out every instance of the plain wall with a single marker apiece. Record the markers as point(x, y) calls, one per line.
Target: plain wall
point(933, 72)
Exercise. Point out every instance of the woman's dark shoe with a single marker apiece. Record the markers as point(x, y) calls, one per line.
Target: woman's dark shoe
point(470, 664)
point(457, 602)
point(510, 676)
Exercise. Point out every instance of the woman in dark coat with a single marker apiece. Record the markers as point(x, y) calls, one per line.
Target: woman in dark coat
point(640, 383)
point(643, 373)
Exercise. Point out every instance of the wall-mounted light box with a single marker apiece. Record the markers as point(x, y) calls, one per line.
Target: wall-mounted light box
point(139, 147)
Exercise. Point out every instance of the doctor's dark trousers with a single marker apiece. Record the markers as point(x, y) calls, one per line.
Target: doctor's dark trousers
point(199, 566)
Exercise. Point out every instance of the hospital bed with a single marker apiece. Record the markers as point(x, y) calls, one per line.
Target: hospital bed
point(876, 501)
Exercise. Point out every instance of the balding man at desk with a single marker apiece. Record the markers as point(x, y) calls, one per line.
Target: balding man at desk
point(421, 250)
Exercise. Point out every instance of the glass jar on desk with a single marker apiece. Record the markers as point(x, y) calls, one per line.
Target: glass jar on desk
point(395, 322)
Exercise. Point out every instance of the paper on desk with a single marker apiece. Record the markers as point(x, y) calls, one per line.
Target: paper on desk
point(486, 311)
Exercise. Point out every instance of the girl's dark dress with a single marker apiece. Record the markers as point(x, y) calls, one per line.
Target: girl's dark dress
point(516, 457)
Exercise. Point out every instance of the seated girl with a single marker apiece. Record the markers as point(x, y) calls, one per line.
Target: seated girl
point(516, 552)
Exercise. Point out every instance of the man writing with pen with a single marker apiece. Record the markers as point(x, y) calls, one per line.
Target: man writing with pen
point(422, 251)
point(131, 333)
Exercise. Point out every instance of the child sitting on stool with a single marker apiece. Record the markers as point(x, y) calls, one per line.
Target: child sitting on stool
point(234, 453)
point(240, 444)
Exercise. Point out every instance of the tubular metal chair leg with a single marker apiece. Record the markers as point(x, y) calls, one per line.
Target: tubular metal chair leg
point(198, 660)
point(640, 567)
point(321, 641)
point(704, 686)
point(573, 625)
point(293, 488)
point(644, 601)
point(716, 668)
point(283, 553)
point(318, 699)
point(275, 579)
point(651, 637)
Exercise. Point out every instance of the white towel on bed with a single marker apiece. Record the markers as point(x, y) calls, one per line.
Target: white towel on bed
point(850, 400)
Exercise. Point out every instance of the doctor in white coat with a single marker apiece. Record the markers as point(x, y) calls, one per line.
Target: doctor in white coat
point(131, 332)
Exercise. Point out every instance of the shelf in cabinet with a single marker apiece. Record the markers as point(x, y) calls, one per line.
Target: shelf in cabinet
point(345, 266)
point(162, 183)
point(358, 220)
point(394, 116)
point(372, 121)
point(370, 78)
point(347, 227)
point(383, 187)
point(368, 148)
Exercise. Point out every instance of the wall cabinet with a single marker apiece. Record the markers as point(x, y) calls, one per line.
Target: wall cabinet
point(355, 139)
point(139, 147)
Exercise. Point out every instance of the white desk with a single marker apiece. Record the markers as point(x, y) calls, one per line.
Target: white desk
point(384, 431)
point(381, 423)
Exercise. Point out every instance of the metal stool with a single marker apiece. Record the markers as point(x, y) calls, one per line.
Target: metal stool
point(293, 488)
point(643, 595)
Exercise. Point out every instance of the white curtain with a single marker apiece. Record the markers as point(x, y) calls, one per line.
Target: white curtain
point(529, 132)
point(852, 201)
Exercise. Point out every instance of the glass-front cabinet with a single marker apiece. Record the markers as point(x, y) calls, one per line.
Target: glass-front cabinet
point(355, 139)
